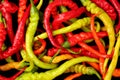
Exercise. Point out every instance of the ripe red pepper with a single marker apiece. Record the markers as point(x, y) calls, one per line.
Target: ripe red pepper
point(116, 4)
point(8, 18)
point(47, 14)
point(19, 37)
point(21, 10)
point(107, 7)
point(84, 36)
point(81, 51)
point(66, 16)
point(2, 32)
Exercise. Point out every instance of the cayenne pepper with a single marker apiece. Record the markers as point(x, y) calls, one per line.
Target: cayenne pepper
point(47, 13)
point(2, 32)
point(106, 7)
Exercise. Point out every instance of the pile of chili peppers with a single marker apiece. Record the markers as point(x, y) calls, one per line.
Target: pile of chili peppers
point(59, 39)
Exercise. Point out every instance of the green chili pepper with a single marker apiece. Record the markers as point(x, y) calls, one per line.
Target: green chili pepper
point(34, 18)
point(113, 63)
point(74, 26)
point(79, 68)
point(103, 16)
point(51, 74)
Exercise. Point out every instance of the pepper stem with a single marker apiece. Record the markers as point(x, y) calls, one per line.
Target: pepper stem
point(31, 1)
point(1, 19)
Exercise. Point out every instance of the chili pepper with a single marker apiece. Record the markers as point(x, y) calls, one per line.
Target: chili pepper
point(8, 66)
point(21, 10)
point(116, 5)
point(8, 18)
point(39, 4)
point(32, 26)
point(83, 69)
point(99, 44)
point(66, 16)
point(76, 25)
point(84, 36)
point(114, 60)
point(107, 7)
point(60, 39)
point(13, 77)
point(94, 9)
point(9, 6)
point(49, 8)
point(81, 51)
point(57, 59)
point(116, 72)
point(51, 74)
point(2, 32)
point(38, 51)
point(87, 47)
point(72, 76)
point(18, 38)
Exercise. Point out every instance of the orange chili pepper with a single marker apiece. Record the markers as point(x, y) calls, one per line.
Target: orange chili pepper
point(99, 44)
point(72, 76)
point(42, 48)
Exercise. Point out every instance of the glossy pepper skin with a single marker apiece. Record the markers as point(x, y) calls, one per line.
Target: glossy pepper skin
point(107, 7)
point(51, 74)
point(3, 32)
point(94, 9)
point(47, 14)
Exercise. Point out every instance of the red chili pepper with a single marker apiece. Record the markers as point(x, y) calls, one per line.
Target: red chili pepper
point(9, 6)
point(42, 48)
point(2, 32)
point(66, 16)
point(19, 37)
point(83, 52)
point(21, 10)
point(107, 7)
point(116, 4)
point(8, 18)
point(84, 36)
point(13, 77)
point(47, 14)
point(87, 47)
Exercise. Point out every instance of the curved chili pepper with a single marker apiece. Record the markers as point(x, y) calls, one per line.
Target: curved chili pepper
point(99, 44)
point(107, 7)
point(94, 9)
point(42, 48)
point(51, 74)
point(87, 47)
point(8, 18)
point(2, 32)
point(18, 38)
point(114, 60)
point(49, 8)
point(84, 36)
point(83, 69)
point(57, 59)
point(9, 6)
point(32, 26)
point(76, 25)
point(66, 16)
point(21, 10)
